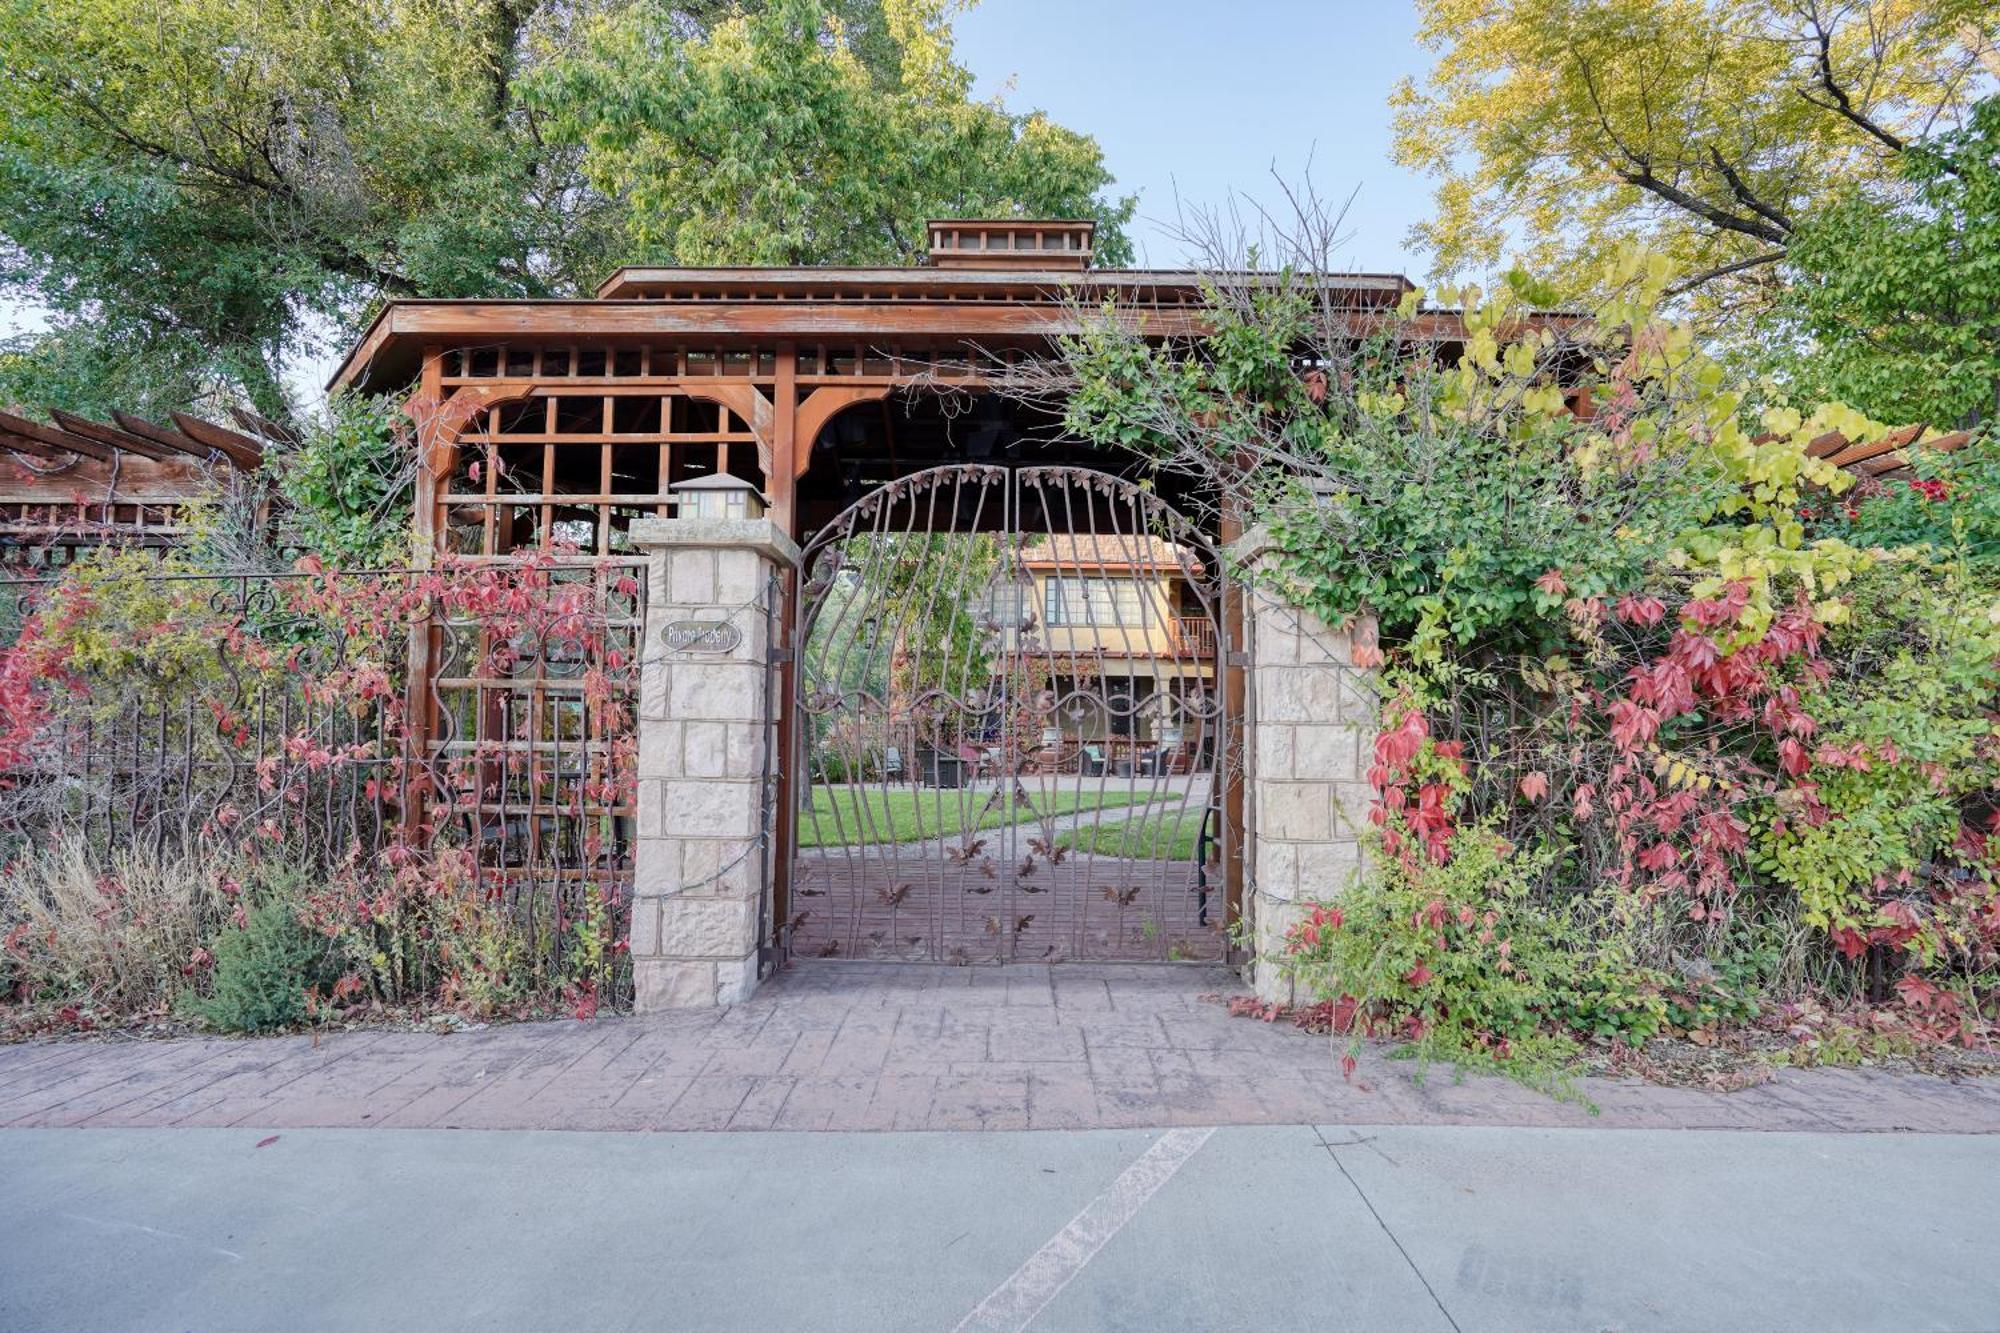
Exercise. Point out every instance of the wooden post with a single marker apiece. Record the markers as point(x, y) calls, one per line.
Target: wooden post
point(426, 410)
point(781, 492)
point(1229, 764)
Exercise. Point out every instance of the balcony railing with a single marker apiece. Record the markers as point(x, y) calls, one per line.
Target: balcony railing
point(1194, 636)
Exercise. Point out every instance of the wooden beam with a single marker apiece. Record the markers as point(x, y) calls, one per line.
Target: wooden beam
point(1867, 449)
point(748, 402)
point(160, 435)
point(56, 438)
point(241, 450)
point(23, 444)
point(263, 427)
point(109, 435)
point(820, 407)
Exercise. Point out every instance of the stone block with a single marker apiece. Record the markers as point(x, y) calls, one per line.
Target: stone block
point(647, 807)
point(706, 755)
point(1276, 869)
point(722, 865)
point(1297, 694)
point(656, 867)
point(1271, 754)
point(659, 984)
point(691, 578)
point(735, 979)
point(743, 750)
point(1358, 703)
point(1272, 921)
point(705, 927)
point(656, 578)
point(1327, 752)
point(644, 941)
point(1351, 804)
point(654, 675)
point(1295, 811)
point(660, 749)
point(741, 579)
point(1272, 641)
point(711, 807)
point(1327, 869)
point(717, 691)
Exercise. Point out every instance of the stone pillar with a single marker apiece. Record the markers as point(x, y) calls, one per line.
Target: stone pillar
point(1310, 714)
point(705, 772)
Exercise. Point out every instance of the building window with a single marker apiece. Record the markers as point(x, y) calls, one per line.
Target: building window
point(1077, 601)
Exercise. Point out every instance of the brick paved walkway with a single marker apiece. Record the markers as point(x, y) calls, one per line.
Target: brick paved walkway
point(886, 1046)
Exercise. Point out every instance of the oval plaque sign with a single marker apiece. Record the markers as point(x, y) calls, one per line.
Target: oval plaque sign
point(700, 636)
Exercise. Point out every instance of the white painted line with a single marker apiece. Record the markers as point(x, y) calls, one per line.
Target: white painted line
point(1015, 1302)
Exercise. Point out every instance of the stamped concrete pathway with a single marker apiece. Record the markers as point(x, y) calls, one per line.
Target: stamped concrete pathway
point(851, 1046)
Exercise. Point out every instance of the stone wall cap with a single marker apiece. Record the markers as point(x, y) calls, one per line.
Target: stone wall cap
point(716, 534)
point(1251, 547)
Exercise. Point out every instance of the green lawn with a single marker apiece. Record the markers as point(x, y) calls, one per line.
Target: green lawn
point(863, 816)
point(1163, 837)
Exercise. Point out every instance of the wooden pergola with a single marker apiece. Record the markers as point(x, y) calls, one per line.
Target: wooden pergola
point(70, 483)
point(548, 421)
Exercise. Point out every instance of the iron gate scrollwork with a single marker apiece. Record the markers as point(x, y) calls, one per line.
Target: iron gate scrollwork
point(1012, 728)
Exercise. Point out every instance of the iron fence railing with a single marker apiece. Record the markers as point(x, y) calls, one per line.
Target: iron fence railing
point(349, 721)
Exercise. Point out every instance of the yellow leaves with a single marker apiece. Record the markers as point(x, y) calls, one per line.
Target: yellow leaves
point(1679, 773)
point(1483, 350)
point(1534, 118)
point(1545, 400)
point(1380, 405)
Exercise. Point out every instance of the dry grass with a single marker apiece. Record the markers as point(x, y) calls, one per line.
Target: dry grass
point(113, 938)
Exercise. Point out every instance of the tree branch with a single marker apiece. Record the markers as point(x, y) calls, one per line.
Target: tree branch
point(1724, 270)
point(1643, 177)
point(1640, 173)
point(1744, 195)
point(1841, 105)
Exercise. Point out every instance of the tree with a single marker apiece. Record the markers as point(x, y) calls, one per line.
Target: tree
point(772, 140)
point(208, 186)
point(1705, 129)
point(1896, 310)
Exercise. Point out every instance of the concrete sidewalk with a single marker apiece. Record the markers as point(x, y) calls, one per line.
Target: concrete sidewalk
point(1324, 1227)
point(847, 1046)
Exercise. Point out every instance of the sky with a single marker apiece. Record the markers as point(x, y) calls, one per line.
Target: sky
point(1191, 100)
point(1206, 99)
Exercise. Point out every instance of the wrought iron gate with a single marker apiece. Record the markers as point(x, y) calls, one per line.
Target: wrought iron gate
point(1012, 728)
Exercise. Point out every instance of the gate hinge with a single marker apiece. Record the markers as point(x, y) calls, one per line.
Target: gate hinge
point(783, 655)
point(1237, 658)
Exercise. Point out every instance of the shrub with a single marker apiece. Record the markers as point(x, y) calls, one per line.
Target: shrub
point(265, 969)
point(1454, 955)
point(1737, 713)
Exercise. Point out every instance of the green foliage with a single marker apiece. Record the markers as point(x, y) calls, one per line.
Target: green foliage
point(197, 189)
point(772, 140)
point(1902, 742)
point(1896, 309)
point(1461, 957)
point(1954, 513)
point(1707, 130)
point(93, 369)
point(1437, 497)
point(349, 484)
point(264, 969)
